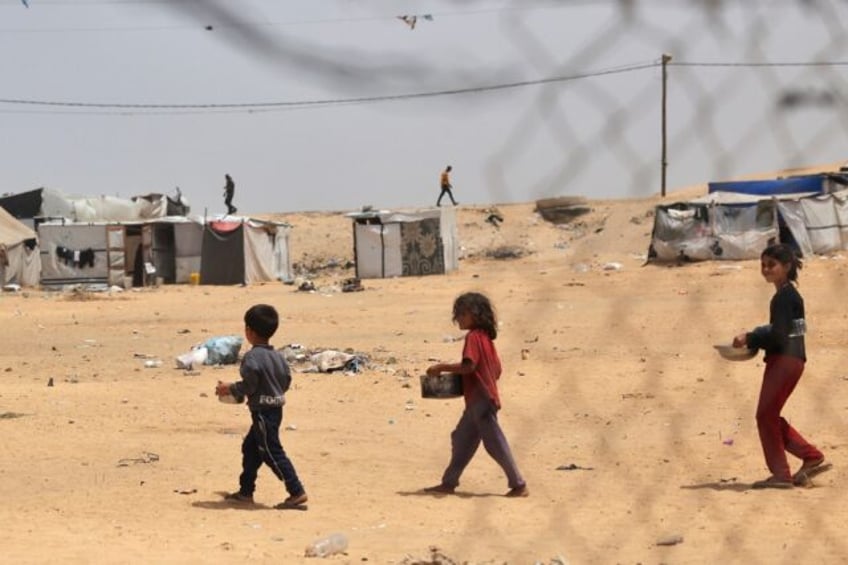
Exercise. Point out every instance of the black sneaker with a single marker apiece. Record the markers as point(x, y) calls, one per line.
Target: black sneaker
point(239, 497)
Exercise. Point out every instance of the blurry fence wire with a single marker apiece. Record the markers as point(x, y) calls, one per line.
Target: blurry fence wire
point(745, 95)
point(763, 105)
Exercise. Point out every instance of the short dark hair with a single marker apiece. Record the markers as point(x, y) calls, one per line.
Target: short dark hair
point(262, 319)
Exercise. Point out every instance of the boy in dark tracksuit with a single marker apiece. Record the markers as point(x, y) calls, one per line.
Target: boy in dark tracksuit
point(265, 378)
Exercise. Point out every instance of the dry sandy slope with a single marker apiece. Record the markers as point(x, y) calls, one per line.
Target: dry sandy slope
point(620, 377)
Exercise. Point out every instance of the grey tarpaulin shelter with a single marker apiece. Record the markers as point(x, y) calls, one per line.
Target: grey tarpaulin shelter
point(405, 243)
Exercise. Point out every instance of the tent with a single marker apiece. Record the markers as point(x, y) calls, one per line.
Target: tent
point(244, 251)
point(169, 249)
point(739, 225)
point(21, 251)
point(49, 203)
point(392, 244)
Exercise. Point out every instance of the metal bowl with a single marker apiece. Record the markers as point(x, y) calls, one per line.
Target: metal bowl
point(735, 353)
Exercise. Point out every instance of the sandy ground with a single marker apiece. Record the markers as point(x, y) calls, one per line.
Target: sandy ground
point(119, 463)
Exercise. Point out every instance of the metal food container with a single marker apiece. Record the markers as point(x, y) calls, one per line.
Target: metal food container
point(443, 386)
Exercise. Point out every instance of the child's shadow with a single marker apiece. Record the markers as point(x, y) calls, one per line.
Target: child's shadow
point(458, 494)
point(720, 485)
point(224, 504)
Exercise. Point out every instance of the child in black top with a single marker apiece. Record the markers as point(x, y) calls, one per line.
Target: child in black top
point(265, 379)
point(783, 343)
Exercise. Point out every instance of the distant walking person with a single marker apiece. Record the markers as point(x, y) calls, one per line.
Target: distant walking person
point(446, 186)
point(229, 190)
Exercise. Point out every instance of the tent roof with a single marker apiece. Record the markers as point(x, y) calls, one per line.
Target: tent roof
point(742, 198)
point(388, 216)
point(12, 231)
point(772, 187)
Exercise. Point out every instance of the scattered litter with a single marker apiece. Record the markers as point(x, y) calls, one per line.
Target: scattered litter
point(185, 491)
point(673, 539)
point(728, 441)
point(574, 467)
point(50, 381)
point(147, 457)
point(11, 415)
point(612, 266)
point(153, 363)
point(507, 252)
point(436, 557)
point(352, 285)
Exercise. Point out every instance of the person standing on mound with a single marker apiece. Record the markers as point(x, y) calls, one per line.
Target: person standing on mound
point(783, 342)
point(229, 192)
point(480, 369)
point(444, 182)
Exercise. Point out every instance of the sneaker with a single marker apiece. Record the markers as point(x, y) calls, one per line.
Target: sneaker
point(774, 482)
point(440, 489)
point(294, 501)
point(518, 492)
point(239, 497)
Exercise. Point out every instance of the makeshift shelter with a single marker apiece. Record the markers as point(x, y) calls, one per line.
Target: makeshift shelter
point(21, 250)
point(244, 251)
point(48, 203)
point(166, 250)
point(392, 244)
point(739, 225)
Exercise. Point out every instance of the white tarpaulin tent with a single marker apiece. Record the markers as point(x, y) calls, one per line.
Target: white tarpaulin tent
point(393, 244)
point(21, 250)
point(727, 225)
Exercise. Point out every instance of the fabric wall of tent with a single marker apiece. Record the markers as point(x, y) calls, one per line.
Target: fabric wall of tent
point(245, 251)
point(21, 250)
point(734, 225)
point(393, 244)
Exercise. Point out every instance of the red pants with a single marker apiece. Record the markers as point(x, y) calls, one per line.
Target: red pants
point(776, 435)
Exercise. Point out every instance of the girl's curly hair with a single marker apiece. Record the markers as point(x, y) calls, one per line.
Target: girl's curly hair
point(481, 310)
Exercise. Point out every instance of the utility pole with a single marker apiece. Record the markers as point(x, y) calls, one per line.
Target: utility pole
point(664, 162)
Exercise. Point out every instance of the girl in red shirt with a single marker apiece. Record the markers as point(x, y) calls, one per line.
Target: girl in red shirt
point(480, 369)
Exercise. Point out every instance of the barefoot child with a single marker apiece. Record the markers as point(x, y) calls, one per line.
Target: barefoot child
point(783, 342)
point(480, 369)
point(265, 378)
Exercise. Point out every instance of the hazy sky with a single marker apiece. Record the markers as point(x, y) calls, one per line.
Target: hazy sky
point(168, 102)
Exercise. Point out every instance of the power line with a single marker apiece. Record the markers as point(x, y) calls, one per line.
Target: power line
point(129, 109)
point(275, 105)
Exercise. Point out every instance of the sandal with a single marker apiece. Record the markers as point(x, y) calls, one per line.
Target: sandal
point(810, 469)
point(518, 492)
